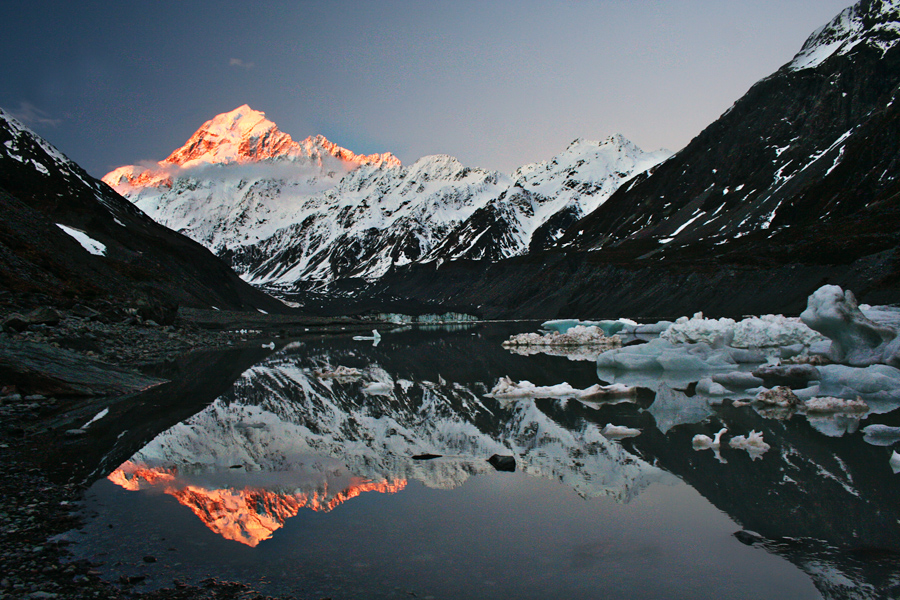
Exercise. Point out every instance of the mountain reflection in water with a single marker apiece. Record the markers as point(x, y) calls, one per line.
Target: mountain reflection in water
point(288, 436)
point(250, 514)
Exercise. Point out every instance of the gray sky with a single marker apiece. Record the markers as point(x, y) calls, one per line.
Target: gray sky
point(495, 83)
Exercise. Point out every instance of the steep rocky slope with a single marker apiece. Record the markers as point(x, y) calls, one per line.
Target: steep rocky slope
point(813, 143)
point(67, 237)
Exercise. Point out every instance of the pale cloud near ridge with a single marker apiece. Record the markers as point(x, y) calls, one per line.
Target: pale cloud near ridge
point(241, 64)
point(31, 115)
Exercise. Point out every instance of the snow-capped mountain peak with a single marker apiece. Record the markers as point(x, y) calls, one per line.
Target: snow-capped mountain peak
point(292, 213)
point(244, 136)
point(872, 22)
point(240, 135)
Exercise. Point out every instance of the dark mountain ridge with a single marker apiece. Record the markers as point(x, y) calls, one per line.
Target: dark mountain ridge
point(797, 149)
point(141, 261)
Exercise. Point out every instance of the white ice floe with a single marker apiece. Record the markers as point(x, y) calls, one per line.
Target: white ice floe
point(619, 432)
point(375, 338)
point(780, 396)
point(661, 354)
point(881, 435)
point(767, 331)
point(507, 389)
point(704, 442)
point(708, 387)
point(856, 340)
point(895, 462)
point(835, 405)
point(737, 380)
point(752, 443)
point(579, 335)
point(87, 242)
point(878, 385)
point(623, 326)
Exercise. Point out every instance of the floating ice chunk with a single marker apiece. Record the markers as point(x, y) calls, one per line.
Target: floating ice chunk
point(753, 444)
point(618, 432)
point(649, 328)
point(878, 385)
point(719, 332)
point(773, 331)
point(856, 340)
point(748, 357)
point(708, 387)
point(881, 435)
point(884, 315)
point(87, 242)
point(579, 335)
point(895, 462)
point(609, 328)
point(375, 337)
point(506, 388)
point(767, 331)
point(781, 397)
point(563, 325)
point(672, 408)
point(664, 355)
point(704, 442)
point(738, 380)
point(787, 375)
point(270, 345)
point(835, 405)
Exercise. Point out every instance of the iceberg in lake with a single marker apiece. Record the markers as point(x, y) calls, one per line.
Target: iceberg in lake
point(579, 335)
point(856, 339)
point(767, 331)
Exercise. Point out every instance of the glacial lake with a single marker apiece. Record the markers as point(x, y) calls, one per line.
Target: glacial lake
point(378, 485)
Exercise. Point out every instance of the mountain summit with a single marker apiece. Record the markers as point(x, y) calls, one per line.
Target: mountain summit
point(875, 23)
point(244, 136)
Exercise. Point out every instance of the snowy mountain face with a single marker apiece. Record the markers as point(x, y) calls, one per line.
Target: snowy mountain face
point(873, 23)
point(795, 151)
point(286, 213)
point(66, 234)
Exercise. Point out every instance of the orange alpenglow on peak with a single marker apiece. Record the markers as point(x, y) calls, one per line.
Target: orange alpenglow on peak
point(249, 515)
point(241, 136)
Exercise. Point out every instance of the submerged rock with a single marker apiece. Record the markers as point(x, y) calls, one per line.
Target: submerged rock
point(503, 463)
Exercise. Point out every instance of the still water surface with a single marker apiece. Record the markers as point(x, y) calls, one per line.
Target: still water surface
point(303, 484)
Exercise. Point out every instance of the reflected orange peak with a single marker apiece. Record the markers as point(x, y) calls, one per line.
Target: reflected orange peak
point(250, 515)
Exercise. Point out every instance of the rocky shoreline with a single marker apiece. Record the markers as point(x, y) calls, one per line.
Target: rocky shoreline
point(35, 507)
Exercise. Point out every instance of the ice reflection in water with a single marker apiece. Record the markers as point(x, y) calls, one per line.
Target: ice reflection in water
point(288, 441)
